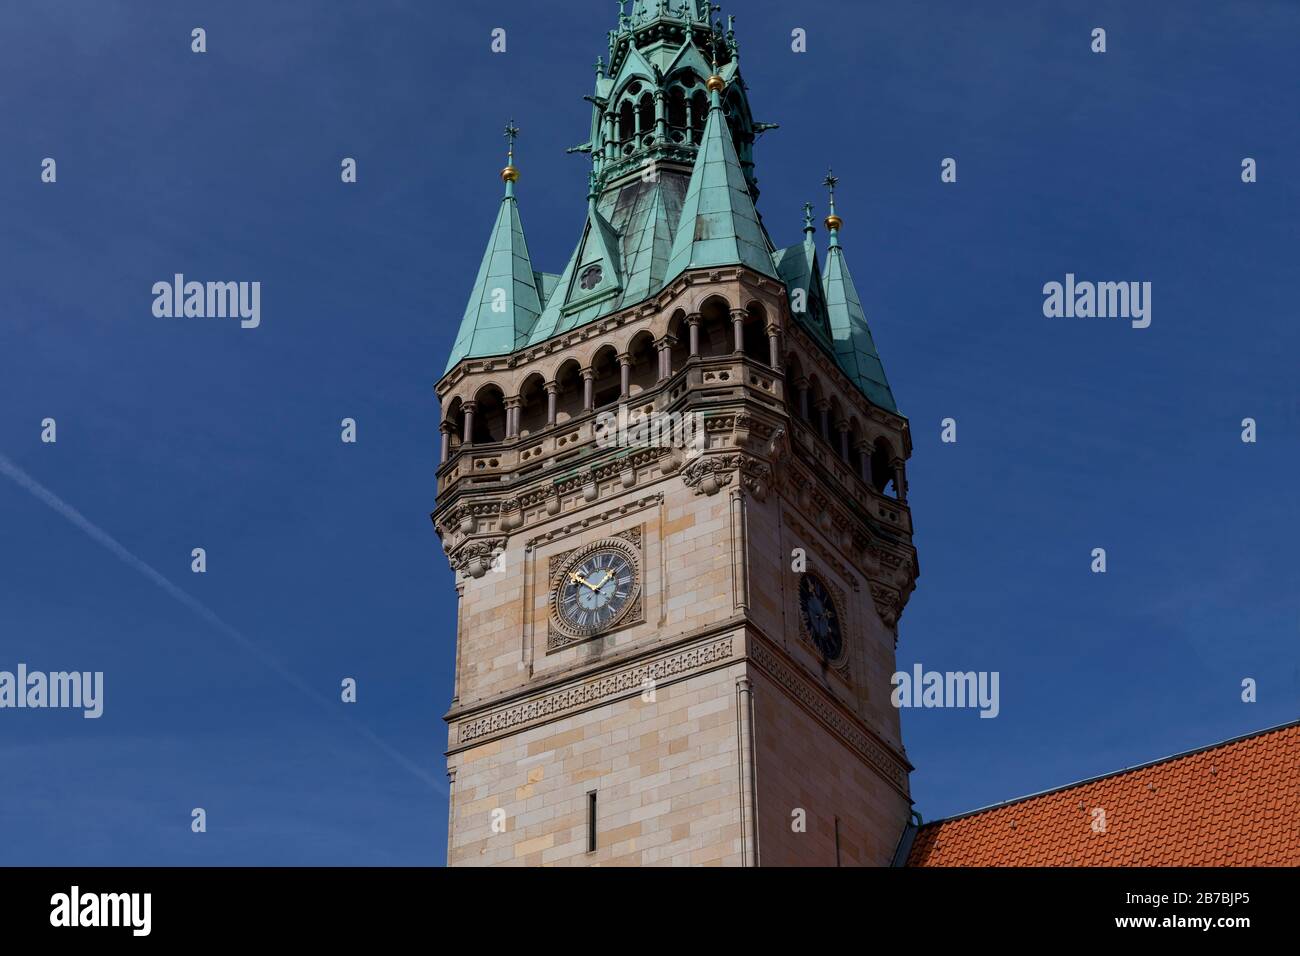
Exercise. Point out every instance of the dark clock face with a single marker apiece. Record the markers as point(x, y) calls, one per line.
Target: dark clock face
point(820, 617)
point(595, 590)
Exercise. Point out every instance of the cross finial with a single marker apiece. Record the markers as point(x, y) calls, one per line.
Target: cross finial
point(511, 132)
point(808, 218)
point(830, 182)
point(833, 222)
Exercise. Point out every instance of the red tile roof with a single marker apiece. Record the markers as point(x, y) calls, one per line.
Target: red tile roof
point(1231, 804)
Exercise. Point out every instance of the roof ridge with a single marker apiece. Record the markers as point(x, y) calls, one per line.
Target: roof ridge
point(1113, 773)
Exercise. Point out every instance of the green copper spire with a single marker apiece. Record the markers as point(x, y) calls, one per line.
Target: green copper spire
point(855, 349)
point(798, 268)
point(504, 305)
point(719, 225)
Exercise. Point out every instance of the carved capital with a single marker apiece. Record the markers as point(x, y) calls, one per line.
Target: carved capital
point(888, 603)
point(707, 476)
point(475, 557)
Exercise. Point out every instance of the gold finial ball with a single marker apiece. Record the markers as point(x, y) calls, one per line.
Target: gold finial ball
point(509, 175)
point(715, 83)
point(834, 222)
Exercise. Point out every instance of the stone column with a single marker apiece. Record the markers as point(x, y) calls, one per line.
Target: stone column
point(774, 346)
point(445, 429)
point(552, 392)
point(900, 480)
point(588, 390)
point(661, 121)
point(664, 346)
point(802, 386)
point(468, 437)
point(824, 411)
point(738, 317)
point(843, 427)
point(864, 461)
point(693, 320)
point(625, 375)
point(739, 550)
point(748, 772)
point(451, 811)
point(513, 405)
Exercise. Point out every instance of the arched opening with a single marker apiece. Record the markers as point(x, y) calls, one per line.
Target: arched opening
point(680, 330)
point(455, 421)
point(646, 114)
point(755, 329)
point(716, 336)
point(644, 372)
point(815, 417)
point(882, 468)
point(626, 123)
point(699, 113)
point(740, 135)
point(855, 453)
point(532, 407)
point(838, 426)
point(608, 380)
point(792, 372)
point(568, 396)
point(489, 415)
point(676, 109)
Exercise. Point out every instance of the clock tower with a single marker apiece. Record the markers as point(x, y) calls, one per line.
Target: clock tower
point(672, 488)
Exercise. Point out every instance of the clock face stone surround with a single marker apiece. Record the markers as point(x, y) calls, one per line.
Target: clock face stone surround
point(594, 590)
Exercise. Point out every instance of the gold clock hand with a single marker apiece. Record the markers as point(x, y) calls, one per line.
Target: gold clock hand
point(577, 578)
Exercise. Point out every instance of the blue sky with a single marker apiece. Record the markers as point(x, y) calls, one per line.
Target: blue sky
point(175, 434)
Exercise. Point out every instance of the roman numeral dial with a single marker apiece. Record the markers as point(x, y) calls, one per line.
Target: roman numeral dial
point(595, 589)
point(821, 620)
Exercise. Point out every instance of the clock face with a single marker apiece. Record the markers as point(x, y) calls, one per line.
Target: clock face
point(820, 617)
point(595, 590)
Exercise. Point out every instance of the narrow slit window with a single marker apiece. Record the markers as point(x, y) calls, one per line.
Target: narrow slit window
point(591, 822)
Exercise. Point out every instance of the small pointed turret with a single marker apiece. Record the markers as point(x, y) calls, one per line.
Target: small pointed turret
point(855, 349)
point(798, 268)
point(504, 303)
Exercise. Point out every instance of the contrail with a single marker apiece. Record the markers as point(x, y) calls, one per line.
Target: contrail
point(202, 610)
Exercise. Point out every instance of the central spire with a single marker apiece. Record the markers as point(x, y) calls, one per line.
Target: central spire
point(719, 224)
